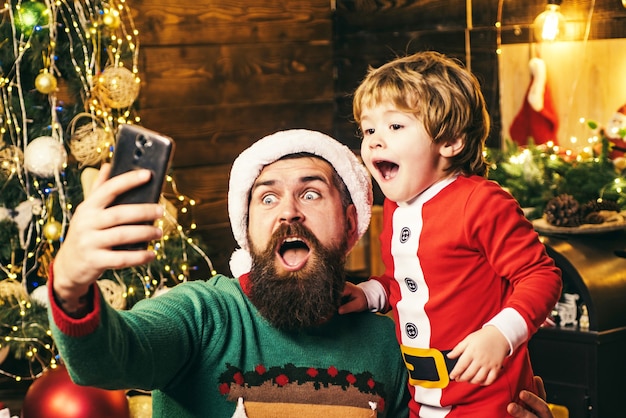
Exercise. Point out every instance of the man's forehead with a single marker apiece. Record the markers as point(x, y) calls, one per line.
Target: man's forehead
point(301, 167)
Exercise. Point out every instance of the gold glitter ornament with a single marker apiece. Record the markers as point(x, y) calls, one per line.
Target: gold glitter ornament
point(52, 230)
point(46, 257)
point(45, 82)
point(117, 87)
point(140, 406)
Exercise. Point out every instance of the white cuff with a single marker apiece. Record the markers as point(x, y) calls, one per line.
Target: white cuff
point(375, 295)
point(512, 325)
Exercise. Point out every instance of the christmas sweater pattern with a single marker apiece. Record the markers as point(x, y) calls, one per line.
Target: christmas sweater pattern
point(202, 348)
point(455, 258)
point(302, 392)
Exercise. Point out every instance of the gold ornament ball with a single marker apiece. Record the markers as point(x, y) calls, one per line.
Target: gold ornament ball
point(52, 230)
point(45, 82)
point(111, 19)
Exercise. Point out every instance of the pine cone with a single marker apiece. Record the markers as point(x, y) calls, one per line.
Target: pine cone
point(598, 205)
point(593, 218)
point(563, 210)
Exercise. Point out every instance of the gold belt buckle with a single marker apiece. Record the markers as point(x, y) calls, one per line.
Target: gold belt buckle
point(413, 354)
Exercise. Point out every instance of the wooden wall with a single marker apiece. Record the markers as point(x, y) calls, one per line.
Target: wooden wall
point(219, 75)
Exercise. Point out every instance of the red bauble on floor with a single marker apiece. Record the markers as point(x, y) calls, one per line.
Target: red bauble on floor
point(54, 395)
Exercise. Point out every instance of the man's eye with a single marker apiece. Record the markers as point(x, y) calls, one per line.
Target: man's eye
point(310, 195)
point(268, 199)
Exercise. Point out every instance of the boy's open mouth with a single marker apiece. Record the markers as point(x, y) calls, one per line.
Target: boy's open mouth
point(387, 169)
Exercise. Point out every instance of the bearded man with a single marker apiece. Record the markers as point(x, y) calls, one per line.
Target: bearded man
point(266, 343)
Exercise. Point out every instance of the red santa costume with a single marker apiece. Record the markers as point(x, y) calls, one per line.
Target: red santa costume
point(459, 257)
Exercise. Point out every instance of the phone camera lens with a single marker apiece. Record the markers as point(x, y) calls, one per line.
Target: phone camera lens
point(142, 141)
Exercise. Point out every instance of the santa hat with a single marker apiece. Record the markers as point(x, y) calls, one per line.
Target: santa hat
point(271, 148)
point(537, 119)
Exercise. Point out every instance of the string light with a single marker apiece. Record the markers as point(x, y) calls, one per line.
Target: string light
point(549, 25)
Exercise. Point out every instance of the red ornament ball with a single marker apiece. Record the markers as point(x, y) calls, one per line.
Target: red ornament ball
point(54, 395)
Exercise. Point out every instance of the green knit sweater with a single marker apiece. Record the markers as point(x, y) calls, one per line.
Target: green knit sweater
point(203, 345)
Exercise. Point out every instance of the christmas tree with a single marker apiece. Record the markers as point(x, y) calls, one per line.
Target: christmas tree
point(69, 77)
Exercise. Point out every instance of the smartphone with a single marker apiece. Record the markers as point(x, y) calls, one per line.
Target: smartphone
point(136, 148)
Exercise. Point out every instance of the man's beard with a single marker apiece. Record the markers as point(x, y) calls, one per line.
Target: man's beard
point(298, 299)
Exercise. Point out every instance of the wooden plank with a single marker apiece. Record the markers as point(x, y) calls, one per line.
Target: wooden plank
point(209, 135)
point(199, 75)
point(208, 186)
point(355, 52)
point(168, 22)
point(382, 15)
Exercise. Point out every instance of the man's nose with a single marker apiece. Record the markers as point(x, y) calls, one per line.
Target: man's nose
point(290, 211)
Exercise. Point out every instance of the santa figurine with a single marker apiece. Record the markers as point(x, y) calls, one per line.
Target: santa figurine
point(615, 131)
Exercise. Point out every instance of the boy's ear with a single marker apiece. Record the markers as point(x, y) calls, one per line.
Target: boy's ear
point(452, 147)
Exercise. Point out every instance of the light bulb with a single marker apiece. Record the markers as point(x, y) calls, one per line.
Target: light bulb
point(550, 24)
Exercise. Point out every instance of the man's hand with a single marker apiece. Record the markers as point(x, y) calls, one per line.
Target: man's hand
point(354, 299)
point(94, 230)
point(531, 405)
point(480, 356)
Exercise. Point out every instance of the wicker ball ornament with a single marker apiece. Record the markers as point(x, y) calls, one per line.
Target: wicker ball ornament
point(117, 87)
point(90, 144)
point(113, 292)
point(11, 158)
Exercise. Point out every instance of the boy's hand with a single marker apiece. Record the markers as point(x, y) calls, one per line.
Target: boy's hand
point(480, 356)
point(354, 299)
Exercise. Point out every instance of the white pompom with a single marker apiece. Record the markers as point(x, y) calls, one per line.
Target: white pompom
point(45, 156)
point(240, 262)
point(40, 295)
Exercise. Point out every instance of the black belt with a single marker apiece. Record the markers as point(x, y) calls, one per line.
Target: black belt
point(428, 367)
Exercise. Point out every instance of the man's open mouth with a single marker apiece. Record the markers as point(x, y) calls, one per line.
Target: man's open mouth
point(387, 169)
point(294, 253)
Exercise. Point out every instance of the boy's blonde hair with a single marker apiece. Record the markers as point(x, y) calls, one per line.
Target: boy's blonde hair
point(441, 93)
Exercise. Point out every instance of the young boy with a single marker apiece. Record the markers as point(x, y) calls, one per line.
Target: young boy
point(465, 273)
